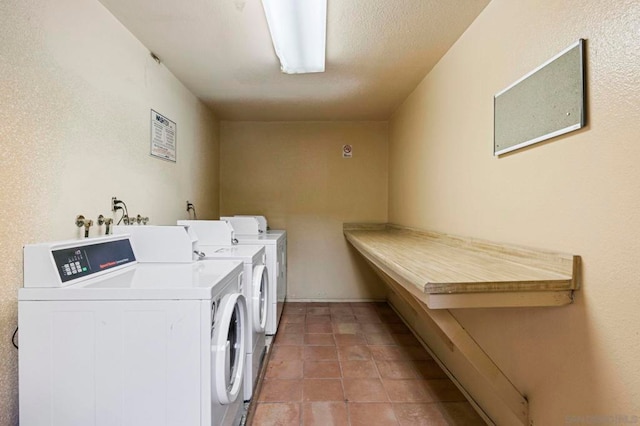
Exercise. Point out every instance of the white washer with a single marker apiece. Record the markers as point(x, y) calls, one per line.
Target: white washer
point(105, 340)
point(252, 231)
point(256, 294)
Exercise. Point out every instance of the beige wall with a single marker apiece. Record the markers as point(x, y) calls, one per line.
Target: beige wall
point(294, 174)
point(579, 193)
point(76, 93)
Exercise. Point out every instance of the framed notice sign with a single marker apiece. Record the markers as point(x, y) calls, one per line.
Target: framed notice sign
point(163, 137)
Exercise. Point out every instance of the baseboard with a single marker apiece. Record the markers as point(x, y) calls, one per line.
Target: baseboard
point(325, 300)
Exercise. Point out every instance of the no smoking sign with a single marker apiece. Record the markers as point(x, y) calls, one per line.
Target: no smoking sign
point(347, 151)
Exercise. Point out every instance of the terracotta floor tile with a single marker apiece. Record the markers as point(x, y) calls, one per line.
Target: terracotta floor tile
point(317, 319)
point(294, 328)
point(389, 353)
point(288, 339)
point(297, 308)
point(319, 328)
point(460, 413)
point(384, 307)
point(280, 369)
point(340, 309)
point(354, 353)
point(343, 318)
point(292, 318)
point(359, 369)
point(374, 328)
point(277, 414)
point(320, 353)
point(349, 339)
point(429, 370)
point(418, 353)
point(324, 414)
point(286, 353)
point(364, 309)
point(412, 414)
point(443, 390)
point(372, 414)
point(368, 318)
point(380, 339)
point(346, 327)
point(398, 328)
point(319, 339)
point(398, 353)
point(364, 390)
point(338, 304)
point(322, 390)
point(408, 390)
point(362, 304)
point(321, 370)
point(389, 316)
point(281, 391)
point(327, 353)
point(406, 340)
point(397, 369)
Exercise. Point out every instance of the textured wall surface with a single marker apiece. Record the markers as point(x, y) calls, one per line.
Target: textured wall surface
point(294, 174)
point(578, 193)
point(77, 89)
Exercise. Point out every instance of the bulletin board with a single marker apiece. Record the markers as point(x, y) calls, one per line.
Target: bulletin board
point(545, 103)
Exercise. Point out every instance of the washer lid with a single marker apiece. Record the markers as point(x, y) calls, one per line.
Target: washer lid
point(246, 253)
point(199, 280)
point(271, 237)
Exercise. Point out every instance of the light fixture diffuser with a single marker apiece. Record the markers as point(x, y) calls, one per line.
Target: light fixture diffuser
point(298, 31)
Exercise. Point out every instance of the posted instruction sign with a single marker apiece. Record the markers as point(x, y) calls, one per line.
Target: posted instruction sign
point(163, 137)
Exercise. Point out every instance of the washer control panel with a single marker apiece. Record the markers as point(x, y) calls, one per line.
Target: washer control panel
point(75, 262)
point(59, 264)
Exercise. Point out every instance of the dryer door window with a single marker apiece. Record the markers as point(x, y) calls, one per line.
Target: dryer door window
point(259, 302)
point(229, 348)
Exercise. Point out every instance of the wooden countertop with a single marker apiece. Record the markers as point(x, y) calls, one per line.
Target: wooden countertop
point(434, 263)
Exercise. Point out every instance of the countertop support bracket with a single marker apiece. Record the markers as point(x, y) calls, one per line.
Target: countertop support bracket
point(434, 272)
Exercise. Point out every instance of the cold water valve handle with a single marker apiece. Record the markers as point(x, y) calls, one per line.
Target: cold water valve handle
point(81, 221)
point(105, 221)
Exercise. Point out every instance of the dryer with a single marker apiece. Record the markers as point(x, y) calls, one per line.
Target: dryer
point(249, 230)
point(105, 340)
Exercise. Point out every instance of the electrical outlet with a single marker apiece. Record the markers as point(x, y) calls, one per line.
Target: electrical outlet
point(113, 203)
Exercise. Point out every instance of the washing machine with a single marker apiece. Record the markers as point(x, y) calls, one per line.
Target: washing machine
point(106, 340)
point(256, 294)
point(249, 230)
point(183, 243)
point(217, 240)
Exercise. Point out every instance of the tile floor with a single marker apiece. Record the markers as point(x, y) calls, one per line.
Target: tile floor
point(354, 364)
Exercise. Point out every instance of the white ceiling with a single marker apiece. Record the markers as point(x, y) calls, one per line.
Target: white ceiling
point(377, 52)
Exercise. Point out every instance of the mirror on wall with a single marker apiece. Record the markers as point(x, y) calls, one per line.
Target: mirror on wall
point(545, 103)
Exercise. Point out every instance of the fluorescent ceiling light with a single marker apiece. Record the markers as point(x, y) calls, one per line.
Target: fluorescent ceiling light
point(299, 31)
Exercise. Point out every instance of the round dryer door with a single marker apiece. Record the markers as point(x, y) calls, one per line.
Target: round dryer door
point(260, 302)
point(229, 348)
